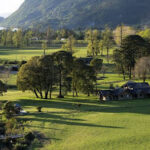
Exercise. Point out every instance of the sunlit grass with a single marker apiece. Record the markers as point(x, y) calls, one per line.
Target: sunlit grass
point(114, 125)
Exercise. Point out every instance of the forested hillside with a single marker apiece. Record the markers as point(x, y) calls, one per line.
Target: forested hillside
point(1, 19)
point(79, 13)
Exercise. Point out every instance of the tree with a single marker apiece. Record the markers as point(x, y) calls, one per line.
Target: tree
point(142, 68)
point(44, 47)
point(122, 32)
point(117, 58)
point(133, 47)
point(83, 78)
point(27, 37)
point(101, 47)
point(69, 45)
point(9, 40)
point(3, 88)
point(93, 42)
point(18, 38)
point(3, 38)
point(48, 74)
point(38, 75)
point(76, 75)
point(107, 40)
point(63, 61)
point(145, 34)
point(5, 76)
point(97, 66)
point(87, 80)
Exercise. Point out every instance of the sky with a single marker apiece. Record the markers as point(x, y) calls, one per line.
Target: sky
point(7, 7)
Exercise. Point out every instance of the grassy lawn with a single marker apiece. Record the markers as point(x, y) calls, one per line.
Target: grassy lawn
point(26, 54)
point(114, 125)
point(117, 125)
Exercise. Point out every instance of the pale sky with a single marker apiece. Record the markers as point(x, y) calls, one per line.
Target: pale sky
point(7, 7)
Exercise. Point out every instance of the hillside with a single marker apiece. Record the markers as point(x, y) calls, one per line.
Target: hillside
point(79, 13)
point(1, 19)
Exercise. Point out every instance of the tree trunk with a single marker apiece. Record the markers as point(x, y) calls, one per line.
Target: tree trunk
point(35, 93)
point(108, 55)
point(50, 92)
point(41, 95)
point(123, 72)
point(96, 87)
point(60, 85)
point(130, 73)
point(102, 51)
point(46, 94)
point(73, 92)
point(76, 93)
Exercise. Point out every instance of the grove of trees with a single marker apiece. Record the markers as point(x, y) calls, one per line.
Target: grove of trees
point(61, 71)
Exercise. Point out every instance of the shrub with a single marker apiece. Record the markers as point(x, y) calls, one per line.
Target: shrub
point(19, 146)
point(39, 108)
point(111, 86)
point(29, 137)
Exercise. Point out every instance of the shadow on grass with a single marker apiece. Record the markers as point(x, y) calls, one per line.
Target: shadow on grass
point(56, 119)
point(87, 105)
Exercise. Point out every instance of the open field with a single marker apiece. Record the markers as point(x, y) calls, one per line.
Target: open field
point(26, 54)
point(114, 125)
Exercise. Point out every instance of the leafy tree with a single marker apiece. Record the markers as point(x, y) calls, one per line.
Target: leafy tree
point(101, 47)
point(107, 40)
point(142, 68)
point(63, 61)
point(93, 42)
point(44, 47)
point(117, 58)
point(97, 66)
point(145, 34)
point(3, 38)
point(38, 76)
point(83, 78)
point(3, 88)
point(69, 45)
point(76, 74)
point(27, 37)
point(9, 40)
point(133, 47)
point(48, 34)
point(87, 81)
point(122, 32)
point(18, 39)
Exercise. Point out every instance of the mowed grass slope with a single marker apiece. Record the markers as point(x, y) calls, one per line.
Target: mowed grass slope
point(118, 125)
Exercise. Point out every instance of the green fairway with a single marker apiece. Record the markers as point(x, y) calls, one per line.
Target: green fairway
point(114, 125)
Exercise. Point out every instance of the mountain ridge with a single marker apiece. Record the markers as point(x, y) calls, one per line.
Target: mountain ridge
point(79, 13)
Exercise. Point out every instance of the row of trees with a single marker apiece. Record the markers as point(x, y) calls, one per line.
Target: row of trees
point(15, 38)
point(42, 75)
point(20, 38)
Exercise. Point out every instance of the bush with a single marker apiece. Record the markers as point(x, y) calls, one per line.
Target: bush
point(8, 110)
point(19, 146)
point(39, 108)
point(111, 86)
point(29, 137)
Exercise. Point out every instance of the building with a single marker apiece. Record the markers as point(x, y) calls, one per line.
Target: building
point(130, 90)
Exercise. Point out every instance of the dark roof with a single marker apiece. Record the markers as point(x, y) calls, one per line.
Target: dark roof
point(106, 92)
point(134, 85)
point(87, 60)
point(118, 91)
point(132, 88)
